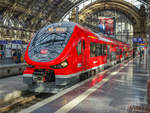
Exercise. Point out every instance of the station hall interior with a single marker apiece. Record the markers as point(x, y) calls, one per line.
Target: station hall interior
point(74, 56)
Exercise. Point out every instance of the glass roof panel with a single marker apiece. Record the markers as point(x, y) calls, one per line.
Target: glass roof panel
point(84, 3)
point(136, 3)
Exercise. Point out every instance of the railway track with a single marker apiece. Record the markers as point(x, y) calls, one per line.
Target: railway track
point(138, 109)
point(23, 102)
point(26, 100)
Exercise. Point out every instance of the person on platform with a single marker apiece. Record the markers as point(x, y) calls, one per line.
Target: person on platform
point(141, 54)
point(3, 54)
point(19, 56)
point(15, 56)
point(134, 52)
point(0, 54)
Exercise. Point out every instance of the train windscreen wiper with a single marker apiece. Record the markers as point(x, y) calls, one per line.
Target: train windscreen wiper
point(51, 41)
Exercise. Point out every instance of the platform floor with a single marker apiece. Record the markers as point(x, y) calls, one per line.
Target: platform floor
point(11, 65)
point(6, 61)
point(111, 91)
point(9, 61)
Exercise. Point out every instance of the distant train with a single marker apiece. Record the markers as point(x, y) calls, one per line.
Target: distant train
point(60, 53)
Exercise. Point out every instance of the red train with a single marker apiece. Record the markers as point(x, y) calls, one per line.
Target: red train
point(60, 53)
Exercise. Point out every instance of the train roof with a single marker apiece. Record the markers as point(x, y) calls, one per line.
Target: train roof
point(71, 26)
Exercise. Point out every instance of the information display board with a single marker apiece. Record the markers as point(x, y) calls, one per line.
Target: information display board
point(107, 25)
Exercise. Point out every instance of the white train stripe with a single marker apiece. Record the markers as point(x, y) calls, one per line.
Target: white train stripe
point(27, 75)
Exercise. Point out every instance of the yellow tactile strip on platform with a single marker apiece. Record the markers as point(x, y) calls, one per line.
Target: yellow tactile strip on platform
point(138, 109)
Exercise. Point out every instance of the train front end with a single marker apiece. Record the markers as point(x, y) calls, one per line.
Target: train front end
point(47, 57)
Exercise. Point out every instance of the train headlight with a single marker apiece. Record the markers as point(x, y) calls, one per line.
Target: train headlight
point(61, 65)
point(64, 64)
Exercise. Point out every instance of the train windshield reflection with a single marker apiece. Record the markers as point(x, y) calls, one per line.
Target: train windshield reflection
point(51, 40)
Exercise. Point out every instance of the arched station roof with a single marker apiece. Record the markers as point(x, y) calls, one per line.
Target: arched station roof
point(30, 15)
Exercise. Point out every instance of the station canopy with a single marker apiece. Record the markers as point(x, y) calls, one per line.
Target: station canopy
point(30, 15)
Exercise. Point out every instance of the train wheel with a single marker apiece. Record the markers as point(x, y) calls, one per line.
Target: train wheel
point(99, 69)
point(89, 74)
point(83, 76)
point(102, 68)
point(93, 72)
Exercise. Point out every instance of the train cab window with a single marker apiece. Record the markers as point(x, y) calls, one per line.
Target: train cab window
point(79, 48)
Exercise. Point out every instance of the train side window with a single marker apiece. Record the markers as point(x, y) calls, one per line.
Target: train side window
point(92, 49)
point(83, 44)
point(102, 52)
point(120, 52)
point(97, 52)
point(79, 48)
point(101, 49)
point(104, 49)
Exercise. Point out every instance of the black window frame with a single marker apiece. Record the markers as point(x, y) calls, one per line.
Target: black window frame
point(92, 54)
point(100, 49)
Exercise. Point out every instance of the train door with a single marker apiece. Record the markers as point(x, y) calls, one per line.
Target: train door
point(84, 59)
point(81, 60)
point(108, 54)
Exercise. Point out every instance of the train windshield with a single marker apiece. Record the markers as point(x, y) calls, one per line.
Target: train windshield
point(49, 42)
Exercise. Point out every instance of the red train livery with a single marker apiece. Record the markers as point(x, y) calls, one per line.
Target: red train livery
point(60, 53)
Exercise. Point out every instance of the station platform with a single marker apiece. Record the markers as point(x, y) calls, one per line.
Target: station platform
point(8, 70)
point(7, 61)
point(111, 91)
point(11, 65)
